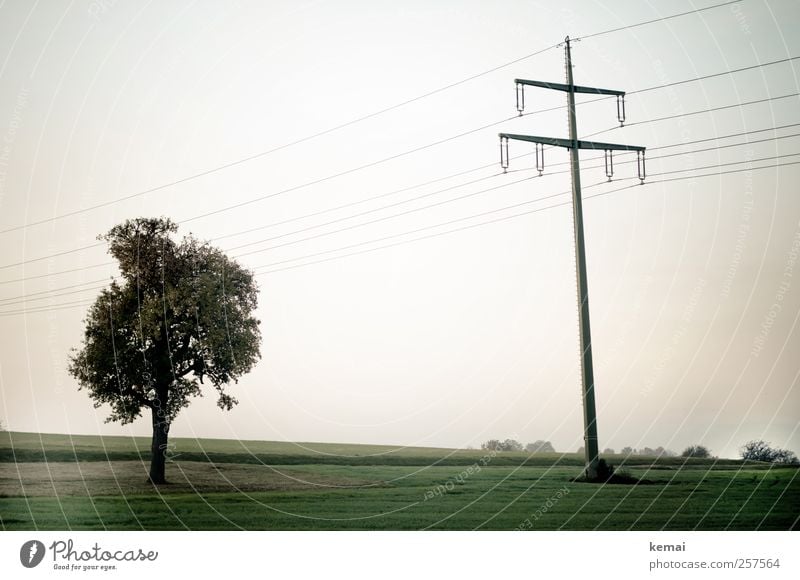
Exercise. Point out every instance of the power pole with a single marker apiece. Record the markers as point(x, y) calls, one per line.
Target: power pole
point(574, 145)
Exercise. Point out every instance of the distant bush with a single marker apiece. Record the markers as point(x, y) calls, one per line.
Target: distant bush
point(696, 451)
point(497, 445)
point(760, 450)
point(540, 447)
point(608, 451)
point(647, 451)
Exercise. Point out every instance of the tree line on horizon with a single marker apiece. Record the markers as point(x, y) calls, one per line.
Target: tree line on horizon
point(756, 450)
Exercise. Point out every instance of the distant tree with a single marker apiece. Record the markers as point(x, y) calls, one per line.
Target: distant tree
point(181, 312)
point(492, 445)
point(581, 450)
point(540, 446)
point(760, 450)
point(648, 451)
point(627, 451)
point(661, 452)
point(2, 428)
point(696, 451)
point(497, 445)
point(608, 451)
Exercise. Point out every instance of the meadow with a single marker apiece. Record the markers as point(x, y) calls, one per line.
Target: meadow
point(59, 482)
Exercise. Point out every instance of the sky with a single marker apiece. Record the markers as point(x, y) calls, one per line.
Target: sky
point(465, 327)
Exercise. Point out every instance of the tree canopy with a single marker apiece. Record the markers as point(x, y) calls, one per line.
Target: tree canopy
point(180, 314)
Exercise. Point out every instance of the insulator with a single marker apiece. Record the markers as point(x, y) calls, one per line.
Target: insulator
point(520, 98)
point(504, 153)
point(539, 152)
point(640, 165)
point(621, 110)
point(609, 164)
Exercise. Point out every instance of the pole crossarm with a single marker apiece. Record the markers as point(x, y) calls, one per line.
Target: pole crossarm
point(566, 88)
point(608, 146)
point(569, 143)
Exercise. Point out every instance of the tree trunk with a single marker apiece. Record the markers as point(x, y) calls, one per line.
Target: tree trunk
point(158, 448)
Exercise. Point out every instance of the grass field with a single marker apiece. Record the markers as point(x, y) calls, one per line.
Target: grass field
point(85, 482)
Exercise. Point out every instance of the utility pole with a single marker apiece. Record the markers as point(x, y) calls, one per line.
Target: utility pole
point(574, 145)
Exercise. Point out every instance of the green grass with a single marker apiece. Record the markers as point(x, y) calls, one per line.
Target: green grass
point(58, 482)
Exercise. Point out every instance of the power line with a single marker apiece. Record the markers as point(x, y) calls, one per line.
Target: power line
point(49, 297)
point(53, 290)
point(355, 121)
point(727, 164)
point(269, 195)
point(354, 203)
point(319, 235)
point(539, 199)
point(49, 274)
point(384, 218)
point(63, 306)
point(482, 214)
point(680, 143)
point(675, 116)
point(373, 210)
point(667, 85)
point(730, 135)
point(285, 145)
point(715, 148)
point(711, 76)
point(459, 198)
point(55, 255)
point(257, 199)
point(347, 171)
point(537, 210)
point(738, 134)
point(662, 19)
point(241, 232)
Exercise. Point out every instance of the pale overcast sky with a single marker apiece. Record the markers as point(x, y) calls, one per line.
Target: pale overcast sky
point(448, 341)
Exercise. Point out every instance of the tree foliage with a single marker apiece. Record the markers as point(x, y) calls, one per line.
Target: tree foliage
point(760, 450)
point(180, 314)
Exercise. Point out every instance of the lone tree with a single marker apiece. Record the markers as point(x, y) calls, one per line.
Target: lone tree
point(179, 313)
